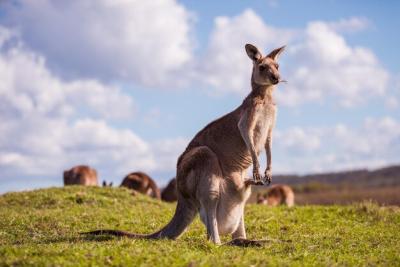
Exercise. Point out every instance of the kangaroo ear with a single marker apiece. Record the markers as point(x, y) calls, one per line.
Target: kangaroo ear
point(253, 52)
point(276, 53)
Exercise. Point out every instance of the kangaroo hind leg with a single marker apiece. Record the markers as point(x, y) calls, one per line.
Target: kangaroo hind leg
point(202, 169)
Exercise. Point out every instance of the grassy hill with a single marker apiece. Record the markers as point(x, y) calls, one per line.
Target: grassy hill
point(41, 228)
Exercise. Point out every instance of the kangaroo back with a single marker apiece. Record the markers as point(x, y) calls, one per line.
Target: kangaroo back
point(280, 194)
point(81, 174)
point(142, 183)
point(169, 193)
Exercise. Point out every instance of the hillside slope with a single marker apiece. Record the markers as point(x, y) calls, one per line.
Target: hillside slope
point(40, 228)
point(387, 176)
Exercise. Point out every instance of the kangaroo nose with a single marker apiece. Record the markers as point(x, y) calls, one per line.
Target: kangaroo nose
point(274, 79)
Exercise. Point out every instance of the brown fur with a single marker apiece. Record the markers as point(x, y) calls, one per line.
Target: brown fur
point(277, 195)
point(141, 183)
point(82, 174)
point(169, 193)
point(211, 172)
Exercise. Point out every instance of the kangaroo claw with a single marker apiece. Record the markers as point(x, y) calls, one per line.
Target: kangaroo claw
point(252, 182)
point(267, 177)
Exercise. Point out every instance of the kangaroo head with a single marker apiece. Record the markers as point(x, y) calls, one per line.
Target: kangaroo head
point(265, 69)
point(262, 199)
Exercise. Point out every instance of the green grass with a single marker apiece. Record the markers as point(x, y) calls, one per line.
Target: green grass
point(41, 228)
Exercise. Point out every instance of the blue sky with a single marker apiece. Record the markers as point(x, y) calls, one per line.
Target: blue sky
point(124, 86)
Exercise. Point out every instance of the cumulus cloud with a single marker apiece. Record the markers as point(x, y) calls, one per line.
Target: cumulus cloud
point(298, 140)
point(393, 96)
point(29, 87)
point(373, 144)
point(168, 150)
point(325, 66)
point(352, 24)
point(49, 124)
point(141, 41)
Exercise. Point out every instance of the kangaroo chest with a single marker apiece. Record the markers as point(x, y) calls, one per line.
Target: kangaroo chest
point(265, 116)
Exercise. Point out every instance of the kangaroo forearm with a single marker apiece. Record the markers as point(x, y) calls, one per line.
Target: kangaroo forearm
point(246, 128)
point(269, 157)
point(254, 158)
point(268, 146)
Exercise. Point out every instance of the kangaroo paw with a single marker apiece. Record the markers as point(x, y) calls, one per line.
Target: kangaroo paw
point(252, 182)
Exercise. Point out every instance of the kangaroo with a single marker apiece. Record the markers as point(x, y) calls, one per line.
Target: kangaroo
point(211, 172)
point(81, 174)
point(277, 195)
point(169, 193)
point(141, 183)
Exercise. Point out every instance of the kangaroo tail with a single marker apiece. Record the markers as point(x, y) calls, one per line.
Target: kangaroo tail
point(185, 212)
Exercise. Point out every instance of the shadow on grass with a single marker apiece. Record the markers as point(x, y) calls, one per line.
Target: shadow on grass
point(68, 239)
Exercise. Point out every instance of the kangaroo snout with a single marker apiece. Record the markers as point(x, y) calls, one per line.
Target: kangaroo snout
point(274, 78)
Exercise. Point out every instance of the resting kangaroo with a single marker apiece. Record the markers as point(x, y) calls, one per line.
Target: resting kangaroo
point(142, 183)
point(279, 194)
point(169, 194)
point(81, 174)
point(211, 171)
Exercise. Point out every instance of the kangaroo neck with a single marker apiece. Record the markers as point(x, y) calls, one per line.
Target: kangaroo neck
point(263, 92)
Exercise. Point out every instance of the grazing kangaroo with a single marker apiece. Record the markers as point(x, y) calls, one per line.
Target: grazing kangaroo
point(81, 174)
point(169, 193)
point(141, 183)
point(211, 172)
point(277, 195)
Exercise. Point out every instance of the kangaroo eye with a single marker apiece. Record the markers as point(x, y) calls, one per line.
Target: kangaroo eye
point(262, 68)
point(277, 66)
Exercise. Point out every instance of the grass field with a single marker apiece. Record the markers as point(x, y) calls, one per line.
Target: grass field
point(41, 228)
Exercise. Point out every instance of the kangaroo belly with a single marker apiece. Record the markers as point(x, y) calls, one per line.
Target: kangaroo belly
point(229, 219)
point(265, 121)
point(260, 134)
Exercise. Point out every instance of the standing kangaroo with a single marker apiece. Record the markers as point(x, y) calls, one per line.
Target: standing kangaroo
point(211, 171)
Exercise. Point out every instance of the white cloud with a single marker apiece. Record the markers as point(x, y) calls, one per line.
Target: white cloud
point(167, 151)
point(352, 24)
point(315, 149)
point(297, 139)
point(141, 41)
point(29, 87)
point(46, 147)
point(393, 96)
point(48, 124)
point(324, 65)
